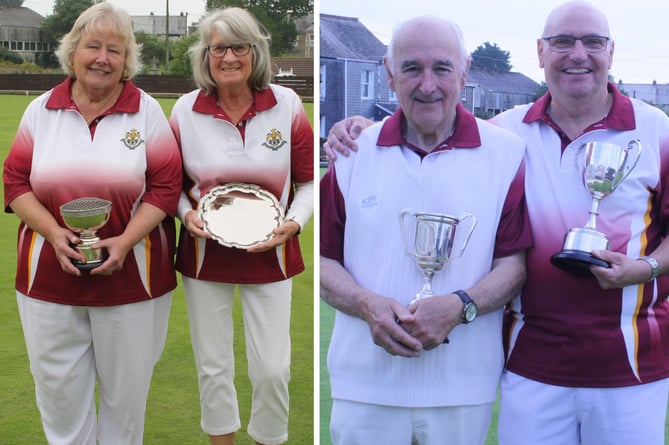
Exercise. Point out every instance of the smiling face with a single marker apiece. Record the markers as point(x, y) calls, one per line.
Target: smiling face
point(230, 71)
point(98, 61)
point(576, 74)
point(427, 71)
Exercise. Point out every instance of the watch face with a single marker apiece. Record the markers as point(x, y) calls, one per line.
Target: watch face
point(470, 312)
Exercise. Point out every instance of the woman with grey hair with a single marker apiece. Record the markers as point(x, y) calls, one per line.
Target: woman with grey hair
point(241, 135)
point(94, 147)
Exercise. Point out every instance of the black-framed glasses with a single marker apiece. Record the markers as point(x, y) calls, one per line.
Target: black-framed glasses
point(239, 49)
point(564, 44)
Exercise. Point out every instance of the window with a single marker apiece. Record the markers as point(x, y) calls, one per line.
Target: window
point(323, 73)
point(366, 84)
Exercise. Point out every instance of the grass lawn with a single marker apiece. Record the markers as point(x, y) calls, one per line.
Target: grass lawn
point(173, 413)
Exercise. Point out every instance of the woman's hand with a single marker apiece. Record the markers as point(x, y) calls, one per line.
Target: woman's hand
point(195, 225)
point(279, 236)
point(64, 243)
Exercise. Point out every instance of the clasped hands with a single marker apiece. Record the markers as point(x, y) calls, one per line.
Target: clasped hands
point(406, 331)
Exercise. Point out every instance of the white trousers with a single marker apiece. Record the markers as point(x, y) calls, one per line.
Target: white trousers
point(353, 423)
point(69, 347)
point(266, 317)
point(537, 413)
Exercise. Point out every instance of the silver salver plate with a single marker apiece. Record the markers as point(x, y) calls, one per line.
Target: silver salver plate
point(240, 215)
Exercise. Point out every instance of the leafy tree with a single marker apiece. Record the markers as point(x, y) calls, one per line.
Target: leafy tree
point(543, 88)
point(153, 49)
point(11, 3)
point(65, 13)
point(491, 57)
point(277, 15)
point(180, 63)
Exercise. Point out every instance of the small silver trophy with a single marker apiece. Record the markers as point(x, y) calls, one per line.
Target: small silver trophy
point(433, 243)
point(84, 216)
point(606, 165)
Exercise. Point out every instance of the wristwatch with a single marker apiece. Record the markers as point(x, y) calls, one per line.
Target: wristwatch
point(470, 310)
point(654, 266)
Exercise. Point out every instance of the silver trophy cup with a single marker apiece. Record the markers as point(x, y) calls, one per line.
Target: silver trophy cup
point(84, 216)
point(605, 166)
point(433, 243)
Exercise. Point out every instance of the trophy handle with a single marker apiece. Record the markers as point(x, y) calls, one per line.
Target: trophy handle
point(469, 233)
point(636, 146)
point(403, 213)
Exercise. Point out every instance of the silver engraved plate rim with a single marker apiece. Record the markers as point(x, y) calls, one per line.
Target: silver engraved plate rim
point(240, 215)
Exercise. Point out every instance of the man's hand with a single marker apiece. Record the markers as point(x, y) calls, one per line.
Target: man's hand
point(435, 319)
point(624, 270)
point(386, 318)
point(342, 136)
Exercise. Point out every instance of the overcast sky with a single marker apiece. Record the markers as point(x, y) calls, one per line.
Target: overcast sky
point(194, 8)
point(639, 27)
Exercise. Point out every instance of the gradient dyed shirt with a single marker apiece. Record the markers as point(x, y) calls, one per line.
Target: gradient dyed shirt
point(128, 156)
point(272, 146)
point(564, 329)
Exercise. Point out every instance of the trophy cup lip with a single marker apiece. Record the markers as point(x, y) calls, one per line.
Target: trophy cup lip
point(437, 216)
point(86, 206)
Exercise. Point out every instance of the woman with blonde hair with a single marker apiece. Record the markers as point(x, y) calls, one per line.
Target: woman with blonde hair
point(94, 143)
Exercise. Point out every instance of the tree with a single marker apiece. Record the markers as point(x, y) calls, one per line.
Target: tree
point(543, 88)
point(11, 3)
point(65, 13)
point(491, 57)
point(180, 63)
point(153, 49)
point(276, 15)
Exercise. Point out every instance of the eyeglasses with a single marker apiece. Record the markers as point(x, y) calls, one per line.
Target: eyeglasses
point(239, 50)
point(564, 44)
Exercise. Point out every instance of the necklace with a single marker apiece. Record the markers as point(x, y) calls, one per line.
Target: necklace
point(95, 109)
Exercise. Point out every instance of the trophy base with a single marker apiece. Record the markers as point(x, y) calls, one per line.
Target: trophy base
point(577, 262)
point(85, 267)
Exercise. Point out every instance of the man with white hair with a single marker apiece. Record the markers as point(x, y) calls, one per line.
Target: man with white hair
point(394, 379)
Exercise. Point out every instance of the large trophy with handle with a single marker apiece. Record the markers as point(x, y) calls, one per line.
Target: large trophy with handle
point(606, 166)
point(433, 243)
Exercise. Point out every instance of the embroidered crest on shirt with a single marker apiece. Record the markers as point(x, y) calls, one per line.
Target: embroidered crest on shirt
point(274, 140)
point(132, 139)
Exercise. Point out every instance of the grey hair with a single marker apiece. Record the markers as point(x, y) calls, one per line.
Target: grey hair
point(102, 16)
point(235, 25)
point(428, 19)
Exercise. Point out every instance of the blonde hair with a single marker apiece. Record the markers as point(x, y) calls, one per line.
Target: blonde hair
point(235, 25)
point(106, 17)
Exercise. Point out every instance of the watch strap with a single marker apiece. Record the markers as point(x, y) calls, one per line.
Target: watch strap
point(467, 301)
point(654, 266)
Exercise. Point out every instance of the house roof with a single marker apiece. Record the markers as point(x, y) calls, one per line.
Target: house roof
point(19, 17)
point(155, 24)
point(502, 82)
point(299, 66)
point(654, 93)
point(347, 38)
